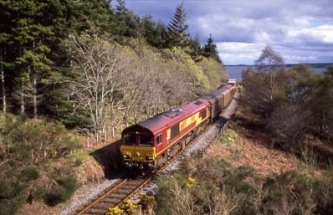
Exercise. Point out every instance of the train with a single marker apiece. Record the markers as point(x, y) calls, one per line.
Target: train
point(152, 142)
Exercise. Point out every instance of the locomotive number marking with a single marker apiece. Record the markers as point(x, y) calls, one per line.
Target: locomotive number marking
point(185, 123)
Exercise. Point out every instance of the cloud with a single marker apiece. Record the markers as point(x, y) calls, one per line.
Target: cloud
point(299, 31)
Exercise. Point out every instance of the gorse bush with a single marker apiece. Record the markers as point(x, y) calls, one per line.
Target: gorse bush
point(30, 173)
point(220, 188)
point(27, 149)
point(228, 137)
point(12, 196)
point(65, 189)
point(32, 142)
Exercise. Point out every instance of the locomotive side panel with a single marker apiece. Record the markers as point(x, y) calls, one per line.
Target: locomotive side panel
point(165, 131)
point(179, 130)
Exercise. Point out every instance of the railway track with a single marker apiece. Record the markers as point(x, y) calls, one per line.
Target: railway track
point(113, 196)
point(125, 188)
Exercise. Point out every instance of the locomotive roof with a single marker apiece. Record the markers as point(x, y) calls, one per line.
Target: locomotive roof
point(162, 120)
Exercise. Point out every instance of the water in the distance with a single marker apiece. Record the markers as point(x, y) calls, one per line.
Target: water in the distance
point(235, 72)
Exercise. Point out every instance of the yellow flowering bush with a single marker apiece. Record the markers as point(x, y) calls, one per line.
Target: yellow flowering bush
point(123, 209)
point(115, 211)
point(190, 182)
point(129, 205)
point(147, 199)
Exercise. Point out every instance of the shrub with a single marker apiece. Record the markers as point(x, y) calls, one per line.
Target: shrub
point(30, 173)
point(228, 137)
point(63, 191)
point(11, 196)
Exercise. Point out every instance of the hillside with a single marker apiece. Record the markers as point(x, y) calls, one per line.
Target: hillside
point(243, 154)
point(242, 174)
point(52, 161)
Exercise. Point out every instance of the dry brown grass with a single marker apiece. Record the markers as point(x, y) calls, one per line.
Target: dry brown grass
point(252, 148)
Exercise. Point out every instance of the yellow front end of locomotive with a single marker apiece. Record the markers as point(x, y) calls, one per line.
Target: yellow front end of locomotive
point(137, 155)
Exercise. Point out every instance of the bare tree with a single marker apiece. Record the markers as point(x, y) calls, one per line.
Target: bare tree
point(265, 88)
point(270, 63)
point(98, 85)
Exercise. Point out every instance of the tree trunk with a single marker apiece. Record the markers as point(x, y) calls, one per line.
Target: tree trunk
point(4, 104)
point(34, 88)
point(22, 105)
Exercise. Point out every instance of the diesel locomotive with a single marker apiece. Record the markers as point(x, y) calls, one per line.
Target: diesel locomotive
point(150, 143)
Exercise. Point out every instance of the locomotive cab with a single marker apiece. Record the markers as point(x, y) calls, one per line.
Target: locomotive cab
point(137, 147)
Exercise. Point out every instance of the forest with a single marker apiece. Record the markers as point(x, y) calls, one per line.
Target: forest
point(85, 69)
point(76, 69)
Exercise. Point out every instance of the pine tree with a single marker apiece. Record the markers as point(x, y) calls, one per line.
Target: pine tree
point(154, 33)
point(126, 23)
point(195, 49)
point(178, 27)
point(210, 49)
point(29, 48)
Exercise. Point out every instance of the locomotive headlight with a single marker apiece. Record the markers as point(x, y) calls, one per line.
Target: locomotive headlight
point(149, 157)
point(126, 155)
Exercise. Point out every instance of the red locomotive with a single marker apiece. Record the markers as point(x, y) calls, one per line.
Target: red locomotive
point(152, 142)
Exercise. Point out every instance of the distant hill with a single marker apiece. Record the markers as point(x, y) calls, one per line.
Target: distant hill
point(314, 65)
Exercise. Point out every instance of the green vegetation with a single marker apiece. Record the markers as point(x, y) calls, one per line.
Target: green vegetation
point(28, 149)
point(94, 66)
point(292, 104)
point(84, 67)
point(228, 137)
point(220, 188)
point(292, 107)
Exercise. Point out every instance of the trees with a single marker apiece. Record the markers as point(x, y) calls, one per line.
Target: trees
point(37, 59)
point(322, 104)
point(270, 63)
point(155, 33)
point(291, 103)
point(178, 27)
point(210, 49)
point(265, 88)
point(30, 35)
point(301, 83)
point(98, 66)
point(291, 118)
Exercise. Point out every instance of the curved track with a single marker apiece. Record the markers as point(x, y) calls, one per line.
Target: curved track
point(125, 188)
point(122, 191)
point(113, 196)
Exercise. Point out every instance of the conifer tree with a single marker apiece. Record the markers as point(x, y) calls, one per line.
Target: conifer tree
point(126, 23)
point(154, 33)
point(178, 27)
point(210, 49)
point(195, 49)
point(29, 48)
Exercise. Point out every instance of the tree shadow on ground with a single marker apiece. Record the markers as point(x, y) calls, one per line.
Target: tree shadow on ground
point(109, 158)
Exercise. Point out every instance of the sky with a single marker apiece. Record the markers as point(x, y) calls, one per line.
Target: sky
point(301, 31)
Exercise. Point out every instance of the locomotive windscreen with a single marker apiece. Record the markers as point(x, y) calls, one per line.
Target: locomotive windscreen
point(129, 139)
point(138, 139)
point(145, 140)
